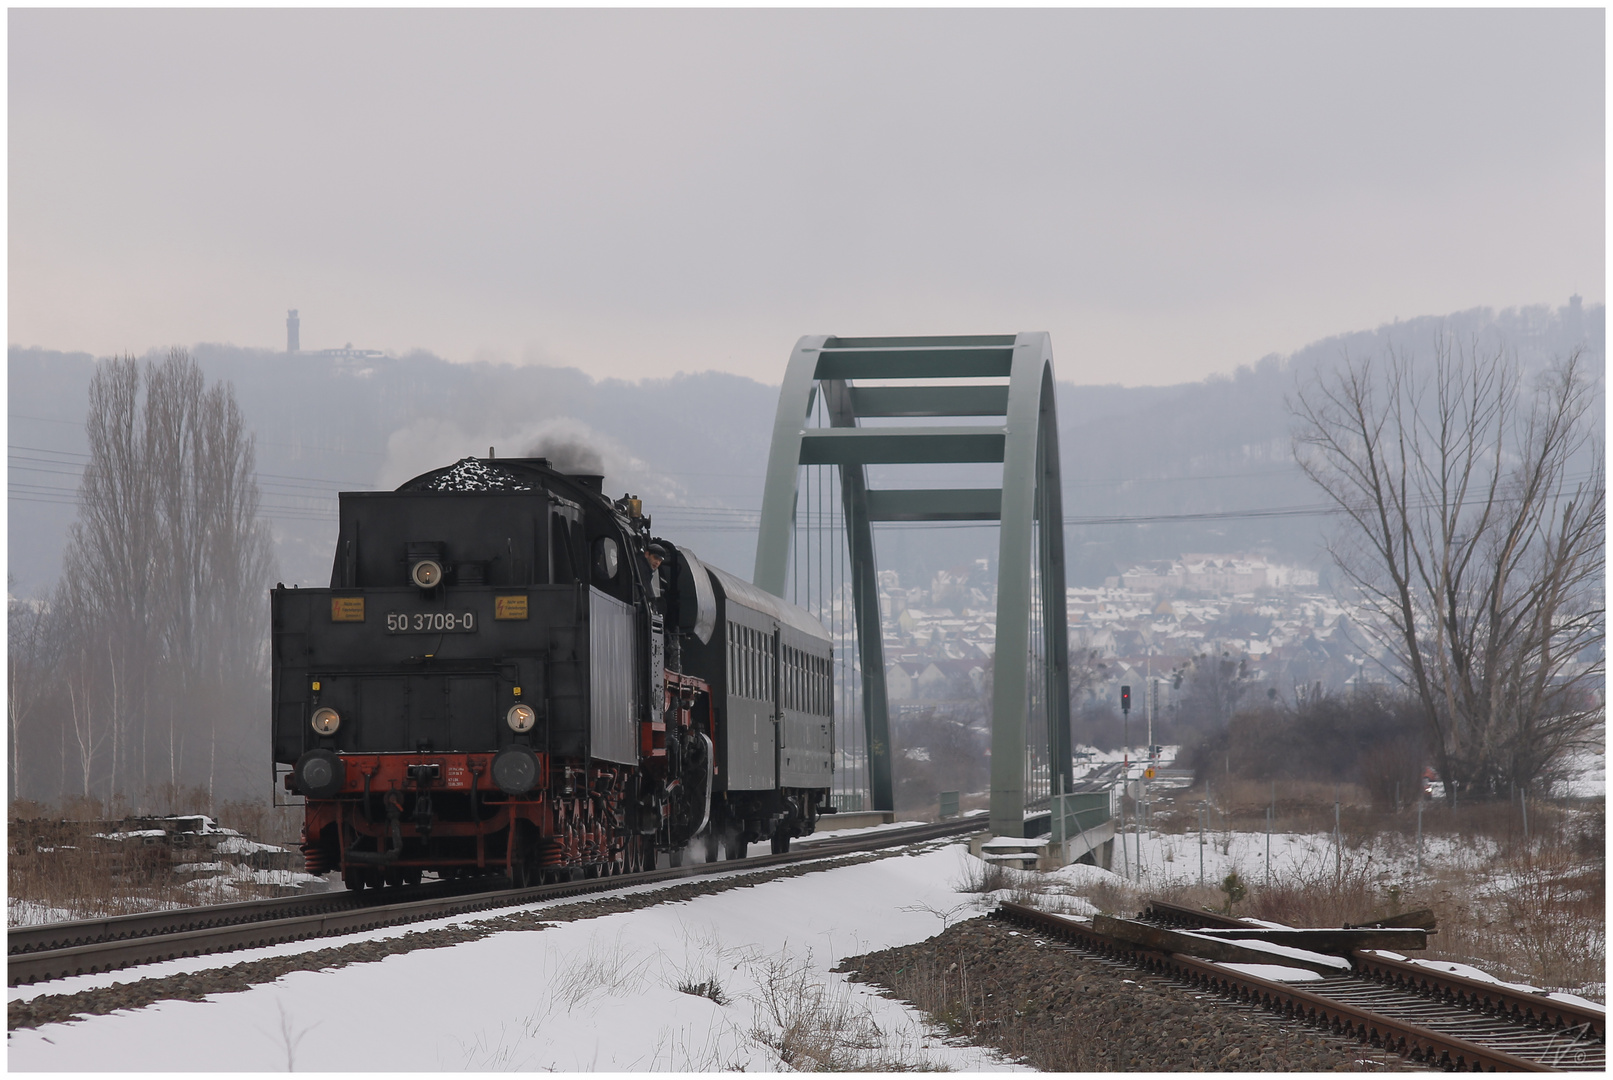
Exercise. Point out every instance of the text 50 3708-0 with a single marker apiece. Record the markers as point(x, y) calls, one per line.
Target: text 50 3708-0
point(430, 622)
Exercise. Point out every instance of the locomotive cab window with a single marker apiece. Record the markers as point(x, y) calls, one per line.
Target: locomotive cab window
point(563, 549)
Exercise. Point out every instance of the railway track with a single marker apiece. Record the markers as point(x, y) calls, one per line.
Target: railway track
point(1442, 1020)
point(58, 950)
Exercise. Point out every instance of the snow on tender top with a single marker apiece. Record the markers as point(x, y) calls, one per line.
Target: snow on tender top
point(470, 474)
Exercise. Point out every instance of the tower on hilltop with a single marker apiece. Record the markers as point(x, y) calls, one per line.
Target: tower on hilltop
point(292, 324)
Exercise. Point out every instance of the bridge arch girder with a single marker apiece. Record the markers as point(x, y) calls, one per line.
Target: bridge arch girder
point(1028, 505)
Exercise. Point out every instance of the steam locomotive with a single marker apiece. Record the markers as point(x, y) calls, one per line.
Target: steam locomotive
point(510, 674)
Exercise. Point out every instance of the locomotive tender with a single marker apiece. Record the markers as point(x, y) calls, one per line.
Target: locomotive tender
point(509, 674)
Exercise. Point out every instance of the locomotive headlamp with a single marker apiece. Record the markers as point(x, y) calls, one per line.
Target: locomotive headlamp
point(521, 718)
point(607, 557)
point(326, 721)
point(515, 770)
point(426, 573)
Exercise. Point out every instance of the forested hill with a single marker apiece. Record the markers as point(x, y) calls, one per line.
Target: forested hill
point(695, 446)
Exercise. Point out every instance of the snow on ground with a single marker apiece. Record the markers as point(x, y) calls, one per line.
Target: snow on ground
point(1089, 758)
point(240, 845)
point(602, 993)
point(1467, 971)
point(1338, 963)
point(33, 913)
point(1169, 859)
point(1587, 773)
point(1274, 972)
point(597, 994)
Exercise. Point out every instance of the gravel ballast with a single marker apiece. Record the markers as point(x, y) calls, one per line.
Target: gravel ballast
point(1059, 1010)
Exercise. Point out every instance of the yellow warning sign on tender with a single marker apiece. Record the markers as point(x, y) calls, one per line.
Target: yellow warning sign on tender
point(347, 609)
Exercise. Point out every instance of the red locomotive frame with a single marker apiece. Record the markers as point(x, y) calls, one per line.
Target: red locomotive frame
point(576, 819)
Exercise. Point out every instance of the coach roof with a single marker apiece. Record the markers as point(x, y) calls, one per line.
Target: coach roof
point(743, 592)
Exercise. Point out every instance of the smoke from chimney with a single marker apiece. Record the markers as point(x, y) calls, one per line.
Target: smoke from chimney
point(569, 454)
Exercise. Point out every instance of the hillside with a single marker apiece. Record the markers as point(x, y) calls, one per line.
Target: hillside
point(695, 445)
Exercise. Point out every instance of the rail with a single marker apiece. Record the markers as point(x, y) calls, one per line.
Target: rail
point(149, 938)
point(1425, 1021)
point(1488, 997)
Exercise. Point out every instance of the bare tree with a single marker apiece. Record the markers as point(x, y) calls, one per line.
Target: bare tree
point(1087, 673)
point(162, 596)
point(28, 675)
point(1215, 684)
point(1476, 512)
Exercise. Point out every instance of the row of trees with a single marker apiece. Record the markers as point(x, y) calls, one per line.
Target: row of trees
point(145, 672)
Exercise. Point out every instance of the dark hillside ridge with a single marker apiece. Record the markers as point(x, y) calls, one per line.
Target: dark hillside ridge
point(701, 440)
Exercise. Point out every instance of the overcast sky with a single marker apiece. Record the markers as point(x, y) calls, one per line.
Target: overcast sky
point(643, 192)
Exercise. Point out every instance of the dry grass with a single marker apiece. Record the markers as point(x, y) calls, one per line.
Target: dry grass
point(61, 866)
point(1536, 915)
point(1022, 886)
point(1027, 887)
point(958, 1005)
point(607, 968)
point(1527, 908)
point(818, 1027)
point(58, 866)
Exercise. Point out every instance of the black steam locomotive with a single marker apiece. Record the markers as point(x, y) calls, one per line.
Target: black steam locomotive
point(509, 674)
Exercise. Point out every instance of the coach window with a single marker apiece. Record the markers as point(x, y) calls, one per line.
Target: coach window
point(817, 685)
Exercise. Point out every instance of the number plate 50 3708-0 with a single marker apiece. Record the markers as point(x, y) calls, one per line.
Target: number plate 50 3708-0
point(431, 622)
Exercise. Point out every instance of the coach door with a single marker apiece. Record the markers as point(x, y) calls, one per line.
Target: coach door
point(775, 658)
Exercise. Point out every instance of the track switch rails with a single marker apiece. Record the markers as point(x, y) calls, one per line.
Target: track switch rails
point(1558, 1050)
point(1490, 998)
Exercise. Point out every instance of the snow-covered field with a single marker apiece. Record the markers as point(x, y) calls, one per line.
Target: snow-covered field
point(592, 995)
point(602, 994)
